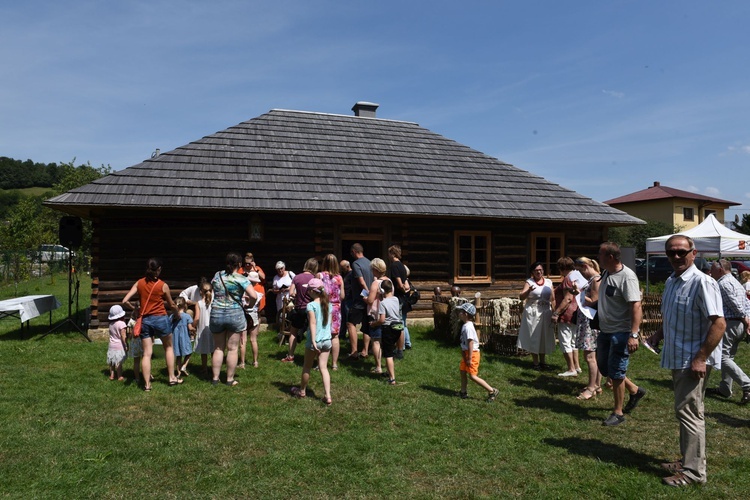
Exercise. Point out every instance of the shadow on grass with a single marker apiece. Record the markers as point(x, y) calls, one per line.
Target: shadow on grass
point(554, 386)
point(609, 453)
point(664, 382)
point(729, 420)
point(575, 410)
point(286, 389)
point(440, 391)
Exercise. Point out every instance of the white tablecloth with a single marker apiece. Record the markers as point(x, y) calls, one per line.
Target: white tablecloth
point(28, 307)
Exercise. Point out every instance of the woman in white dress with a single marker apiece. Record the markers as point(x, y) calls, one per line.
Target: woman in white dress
point(537, 334)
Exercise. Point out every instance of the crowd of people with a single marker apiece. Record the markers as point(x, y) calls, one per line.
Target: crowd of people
point(217, 317)
point(596, 308)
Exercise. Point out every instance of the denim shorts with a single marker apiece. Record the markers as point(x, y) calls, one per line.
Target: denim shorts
point(227, 320)
point(323, 346)
point(376, 332)
point(612, 354)
point(155, 326)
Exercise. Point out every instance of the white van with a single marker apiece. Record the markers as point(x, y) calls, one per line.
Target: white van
point(56, 253)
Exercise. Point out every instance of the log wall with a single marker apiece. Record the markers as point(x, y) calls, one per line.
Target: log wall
point(195, 244)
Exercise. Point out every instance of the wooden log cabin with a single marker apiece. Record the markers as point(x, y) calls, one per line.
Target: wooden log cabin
point(289, 185)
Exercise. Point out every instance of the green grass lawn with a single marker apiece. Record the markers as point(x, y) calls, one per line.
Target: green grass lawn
point(55, 284)
point(68, 431)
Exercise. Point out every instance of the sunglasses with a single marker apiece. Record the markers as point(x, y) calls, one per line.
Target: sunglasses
point(678, 253)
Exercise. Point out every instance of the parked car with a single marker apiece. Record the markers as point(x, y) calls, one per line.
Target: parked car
point(659, 268)
point(49, 253)
point(739, 266)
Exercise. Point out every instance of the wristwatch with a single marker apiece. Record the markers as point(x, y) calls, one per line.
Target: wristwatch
point(635, 335)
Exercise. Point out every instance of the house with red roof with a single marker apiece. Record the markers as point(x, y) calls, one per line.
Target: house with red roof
point(671, 206)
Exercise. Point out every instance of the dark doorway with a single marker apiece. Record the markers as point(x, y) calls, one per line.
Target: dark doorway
point(372, 248)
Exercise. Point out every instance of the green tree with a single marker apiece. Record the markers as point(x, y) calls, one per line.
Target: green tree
point(744, 226)
point(636, 236)
point(30, 224)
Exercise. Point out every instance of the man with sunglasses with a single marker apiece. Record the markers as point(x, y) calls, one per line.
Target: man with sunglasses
point(620, 315)
point(692, 327)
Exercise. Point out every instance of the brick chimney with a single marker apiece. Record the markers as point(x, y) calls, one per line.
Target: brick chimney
point(365, 109)
point(656, 184)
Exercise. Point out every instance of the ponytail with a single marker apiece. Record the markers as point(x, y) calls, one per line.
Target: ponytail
point(152, 269)
point(325, 306)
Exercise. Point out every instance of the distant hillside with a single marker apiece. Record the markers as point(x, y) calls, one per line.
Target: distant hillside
point(17, 174)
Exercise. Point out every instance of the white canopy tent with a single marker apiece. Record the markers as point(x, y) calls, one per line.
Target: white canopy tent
point(710, 238)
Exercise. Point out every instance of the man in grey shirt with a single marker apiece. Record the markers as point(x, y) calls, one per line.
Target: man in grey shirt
point(620, 314)
point(737, 315)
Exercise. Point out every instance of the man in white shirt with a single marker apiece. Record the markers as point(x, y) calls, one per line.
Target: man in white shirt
point(693, 325)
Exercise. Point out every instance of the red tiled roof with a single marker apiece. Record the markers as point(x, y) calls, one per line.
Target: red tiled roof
point(658, 192)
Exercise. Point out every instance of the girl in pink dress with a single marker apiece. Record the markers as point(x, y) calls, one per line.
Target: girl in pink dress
point(117, 342)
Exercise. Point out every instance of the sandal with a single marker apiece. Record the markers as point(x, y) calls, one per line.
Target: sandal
point(335, 367)
point(173, 383)
point(463, 395)
point(679, 480)
point(587, 394)
point(147, 388)
point(353, 356)
point(327, 401)
point(675, 466)
point(391, 381)
point(255, 364)
point(232, 383)
point(298, 393)
point(376, 370)
point(215, 382)
point(493, 395)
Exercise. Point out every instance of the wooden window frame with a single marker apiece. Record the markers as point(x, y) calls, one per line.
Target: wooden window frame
point(550, 263)
point(457, 235)
point(685, 213)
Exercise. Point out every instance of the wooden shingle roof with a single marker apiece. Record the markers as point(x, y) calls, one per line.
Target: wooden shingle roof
point(316, 162)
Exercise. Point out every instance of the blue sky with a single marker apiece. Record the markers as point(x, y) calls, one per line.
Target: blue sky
point(603, 97)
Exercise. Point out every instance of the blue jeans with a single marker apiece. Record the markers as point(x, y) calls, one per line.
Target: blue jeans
point(612, 354)
point(407, 338)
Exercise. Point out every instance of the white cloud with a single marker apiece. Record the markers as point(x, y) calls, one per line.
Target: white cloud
point(712, 191)
point(692, 189)
point(614, 93)
point(739, 149)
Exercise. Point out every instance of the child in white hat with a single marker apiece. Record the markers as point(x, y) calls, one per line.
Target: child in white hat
point(117, 342)
point(470, 353)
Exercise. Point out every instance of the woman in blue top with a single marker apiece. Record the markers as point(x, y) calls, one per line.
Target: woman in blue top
point(318, 339)
point(227, 316)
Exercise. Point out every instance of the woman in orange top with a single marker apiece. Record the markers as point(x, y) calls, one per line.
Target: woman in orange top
point(152, 293)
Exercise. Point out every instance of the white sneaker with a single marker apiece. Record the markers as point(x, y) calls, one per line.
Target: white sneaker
point(571, 373)
point(578, 370)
